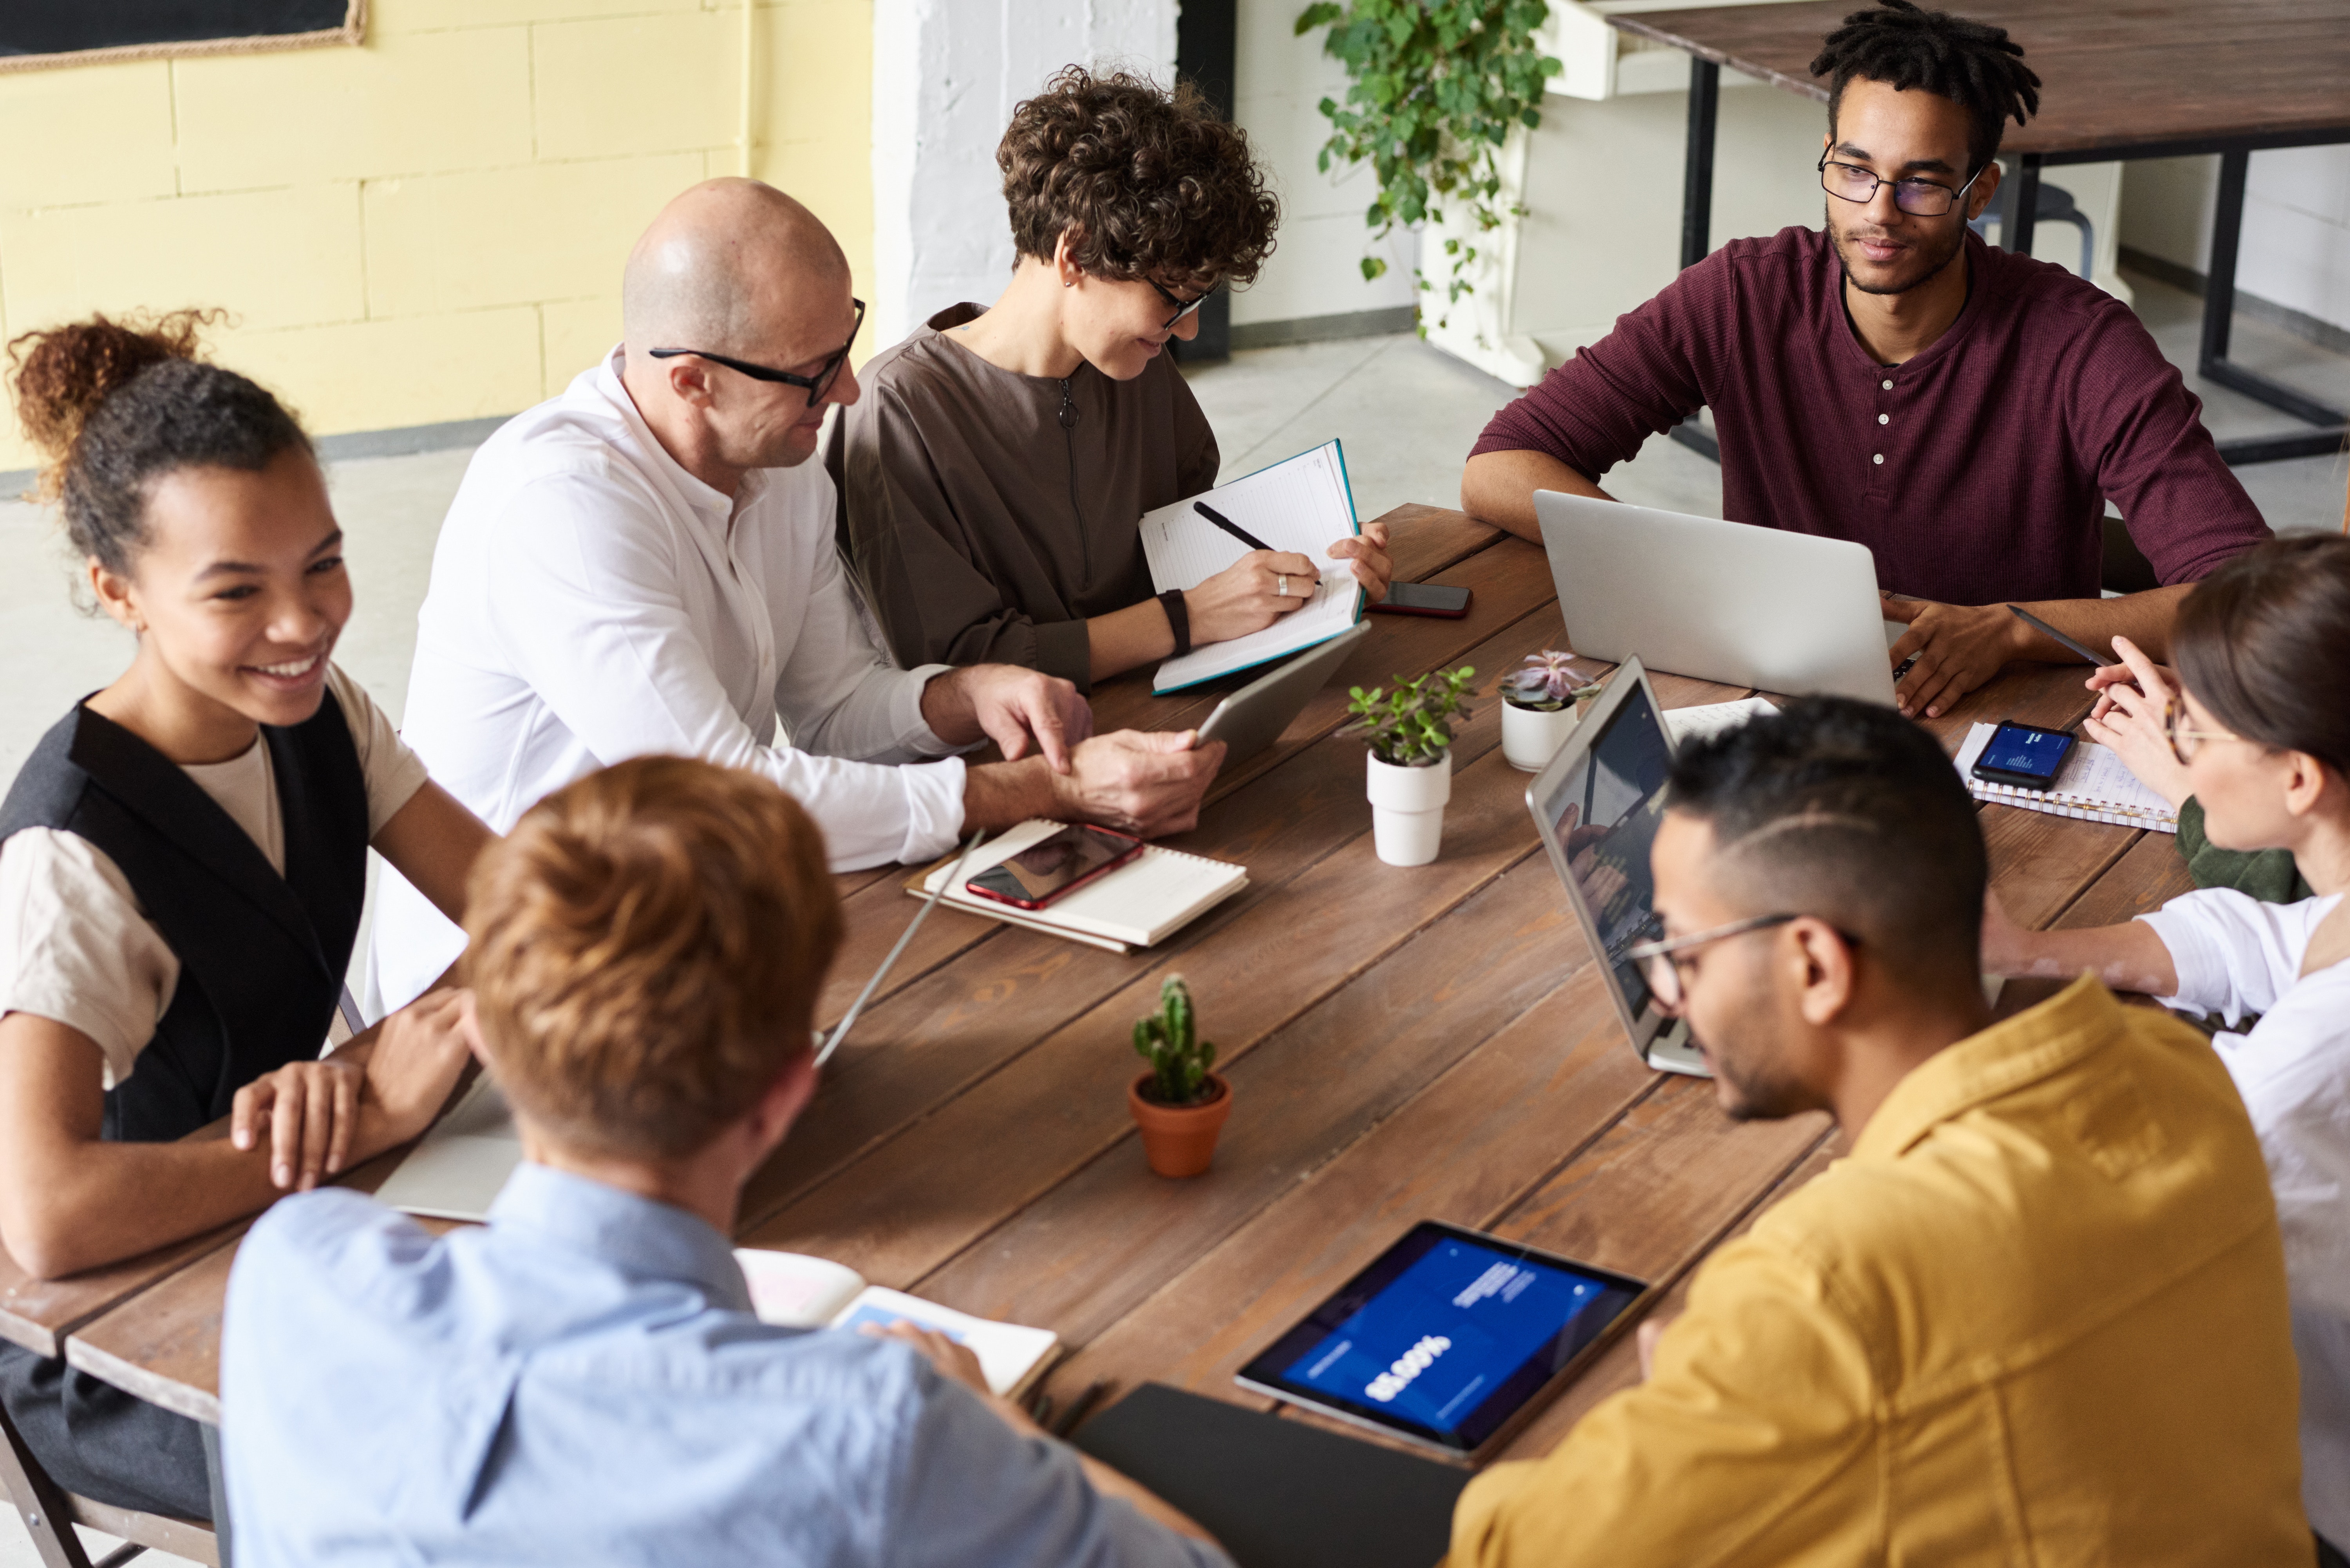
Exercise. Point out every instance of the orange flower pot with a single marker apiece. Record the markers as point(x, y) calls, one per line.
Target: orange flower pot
point(1180, 1140)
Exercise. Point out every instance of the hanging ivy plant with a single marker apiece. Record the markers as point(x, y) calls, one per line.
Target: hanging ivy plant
point(1436, 86)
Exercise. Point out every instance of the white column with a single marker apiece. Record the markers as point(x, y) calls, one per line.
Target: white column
point(945, 75)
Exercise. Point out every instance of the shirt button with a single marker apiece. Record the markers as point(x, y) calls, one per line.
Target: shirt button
point(1879, 458)
point(1889, 386)
point(1882, 418)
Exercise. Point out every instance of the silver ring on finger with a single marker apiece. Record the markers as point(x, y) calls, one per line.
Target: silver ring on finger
point(1281, 587)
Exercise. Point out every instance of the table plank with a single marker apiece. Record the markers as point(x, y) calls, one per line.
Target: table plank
point(40, 1314)
point(2112, 76)
point(1441, 545)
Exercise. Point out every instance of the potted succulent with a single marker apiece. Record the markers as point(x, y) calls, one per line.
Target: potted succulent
point(1541, 703)
point(1409, 729)
point(1179, 1104)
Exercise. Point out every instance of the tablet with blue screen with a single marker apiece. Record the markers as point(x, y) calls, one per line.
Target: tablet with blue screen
point(1448, 1340)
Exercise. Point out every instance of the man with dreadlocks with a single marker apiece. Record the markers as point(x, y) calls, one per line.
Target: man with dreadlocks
point(1965, 412)
point(2035, 1312)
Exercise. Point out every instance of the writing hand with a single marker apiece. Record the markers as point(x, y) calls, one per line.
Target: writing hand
point(1247, 597)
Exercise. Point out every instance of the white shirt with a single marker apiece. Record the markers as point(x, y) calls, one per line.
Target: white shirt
point(2237, 955)
point(75, 947)
point(592, 601)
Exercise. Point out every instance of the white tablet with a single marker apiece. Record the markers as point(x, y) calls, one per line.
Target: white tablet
point(1254, 717)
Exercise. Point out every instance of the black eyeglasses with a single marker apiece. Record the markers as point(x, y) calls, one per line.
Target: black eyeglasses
point(1183, 308)
point(1918, 197)
point(1659, 962)
point(816, 385)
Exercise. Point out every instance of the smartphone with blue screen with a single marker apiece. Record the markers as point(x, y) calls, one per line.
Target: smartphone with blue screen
point(2023, 756)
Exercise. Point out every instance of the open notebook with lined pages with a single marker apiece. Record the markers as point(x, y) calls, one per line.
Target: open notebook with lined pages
point(2093, 785)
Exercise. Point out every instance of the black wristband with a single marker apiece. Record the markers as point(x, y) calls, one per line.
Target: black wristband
point(1179, 619)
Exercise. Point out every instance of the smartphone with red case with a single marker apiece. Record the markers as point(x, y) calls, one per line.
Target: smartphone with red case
point(1054, 866)
point(1425, 599)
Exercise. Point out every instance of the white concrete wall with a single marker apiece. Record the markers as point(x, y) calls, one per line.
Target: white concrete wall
point(946, 74)
point(1315, 268)
point(2296, 241)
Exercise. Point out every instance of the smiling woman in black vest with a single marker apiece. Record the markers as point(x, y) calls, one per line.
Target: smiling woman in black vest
point(183, 863)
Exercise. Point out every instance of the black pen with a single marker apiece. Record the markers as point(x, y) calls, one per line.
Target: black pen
point(2041, 626)
point(1229, 526)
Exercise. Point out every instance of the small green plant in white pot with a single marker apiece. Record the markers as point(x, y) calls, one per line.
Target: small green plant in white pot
point(1409, 729)
point(1541, 702)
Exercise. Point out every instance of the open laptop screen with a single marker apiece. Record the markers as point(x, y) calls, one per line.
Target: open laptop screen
point(1607, 807)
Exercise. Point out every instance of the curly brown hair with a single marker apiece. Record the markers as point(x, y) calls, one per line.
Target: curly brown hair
point(1145, 182)
point(116, 405)
point(648, 946)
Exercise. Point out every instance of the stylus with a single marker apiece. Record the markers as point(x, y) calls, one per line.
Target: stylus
point(840, 1030)
point(2044, 630)
point(1229, 526)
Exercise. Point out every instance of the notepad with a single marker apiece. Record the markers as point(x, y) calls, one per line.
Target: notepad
point(2095, 785)
point(1302, 504)
point(1136, 906)
point(799, 1292)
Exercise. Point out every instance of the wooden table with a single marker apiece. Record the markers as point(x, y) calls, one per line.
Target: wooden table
point(2154, 78)
point(1404, 1045)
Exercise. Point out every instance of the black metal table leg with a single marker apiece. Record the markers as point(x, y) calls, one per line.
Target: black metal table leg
point(2021, 216)
point(2219, 320)
point(1697, 209)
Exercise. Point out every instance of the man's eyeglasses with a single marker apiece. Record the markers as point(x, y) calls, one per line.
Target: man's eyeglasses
point(1919, 197)
point(1661, 962)
point(1183, 308)
point(2184, 742)
point(816, 385)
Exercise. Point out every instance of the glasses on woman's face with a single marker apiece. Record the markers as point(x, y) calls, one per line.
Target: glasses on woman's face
point(1918, 197)
point(1661, 962)
point(1183, 308)
point(816, 385)
point(2185, 742)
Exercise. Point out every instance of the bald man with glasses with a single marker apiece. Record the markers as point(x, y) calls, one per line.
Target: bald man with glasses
point(646, 564)
point(1888, 378)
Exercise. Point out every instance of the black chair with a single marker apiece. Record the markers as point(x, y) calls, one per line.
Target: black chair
point(2054, 206)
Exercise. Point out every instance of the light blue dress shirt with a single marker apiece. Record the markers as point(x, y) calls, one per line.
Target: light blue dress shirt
point(581, 1381)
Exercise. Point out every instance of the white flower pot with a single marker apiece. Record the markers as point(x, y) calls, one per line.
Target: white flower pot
point(1407, 809)
point(1532, 736)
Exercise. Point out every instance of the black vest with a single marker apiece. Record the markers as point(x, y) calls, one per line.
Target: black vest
point(261, 956)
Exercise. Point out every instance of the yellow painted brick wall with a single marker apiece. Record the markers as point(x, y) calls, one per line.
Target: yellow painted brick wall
point(430, 226)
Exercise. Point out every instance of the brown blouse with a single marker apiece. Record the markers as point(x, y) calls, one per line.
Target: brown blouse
point(987, 514)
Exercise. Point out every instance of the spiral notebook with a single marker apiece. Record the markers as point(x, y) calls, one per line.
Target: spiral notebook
point(1135, 905)
point(2093, 785)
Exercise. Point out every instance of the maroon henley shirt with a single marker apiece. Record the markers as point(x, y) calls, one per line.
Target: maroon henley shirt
point(1977, 471)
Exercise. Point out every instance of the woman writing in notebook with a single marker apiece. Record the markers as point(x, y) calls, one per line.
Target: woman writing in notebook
point(992, 475)
point(2260, 733)
point(182, 862)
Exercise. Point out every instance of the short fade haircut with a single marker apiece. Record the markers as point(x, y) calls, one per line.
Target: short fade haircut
point(1848, 812)
point(1973, 63)
point(647, 949)
point(1147, 184)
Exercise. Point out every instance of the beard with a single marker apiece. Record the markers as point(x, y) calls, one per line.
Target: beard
point(1925, 261)
point(1751, 1080)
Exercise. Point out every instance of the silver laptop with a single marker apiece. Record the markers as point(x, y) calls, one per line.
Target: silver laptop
point(1596, 804)
point(1790, 613)
point(1254, 717)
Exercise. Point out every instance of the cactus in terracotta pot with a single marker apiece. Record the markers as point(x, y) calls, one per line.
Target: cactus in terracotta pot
point(1178, 1103)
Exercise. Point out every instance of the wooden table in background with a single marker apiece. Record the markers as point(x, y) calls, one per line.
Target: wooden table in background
point(1405, 1044)
point(2153, 78)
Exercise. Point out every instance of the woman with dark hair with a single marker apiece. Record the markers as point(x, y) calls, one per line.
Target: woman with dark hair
point(2261, 733)
point(993, 476)
point(183, 863)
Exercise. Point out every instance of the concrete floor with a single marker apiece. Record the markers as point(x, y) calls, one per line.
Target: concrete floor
point(1407, 412)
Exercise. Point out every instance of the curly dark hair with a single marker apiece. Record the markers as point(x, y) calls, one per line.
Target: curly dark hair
point(1145, 182)
point(114, 405)
point(1973, 63)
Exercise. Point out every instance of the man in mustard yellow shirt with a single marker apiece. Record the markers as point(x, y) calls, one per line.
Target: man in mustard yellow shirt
point(2036, 1316)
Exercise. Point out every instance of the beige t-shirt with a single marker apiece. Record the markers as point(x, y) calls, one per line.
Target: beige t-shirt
point(75, 947)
